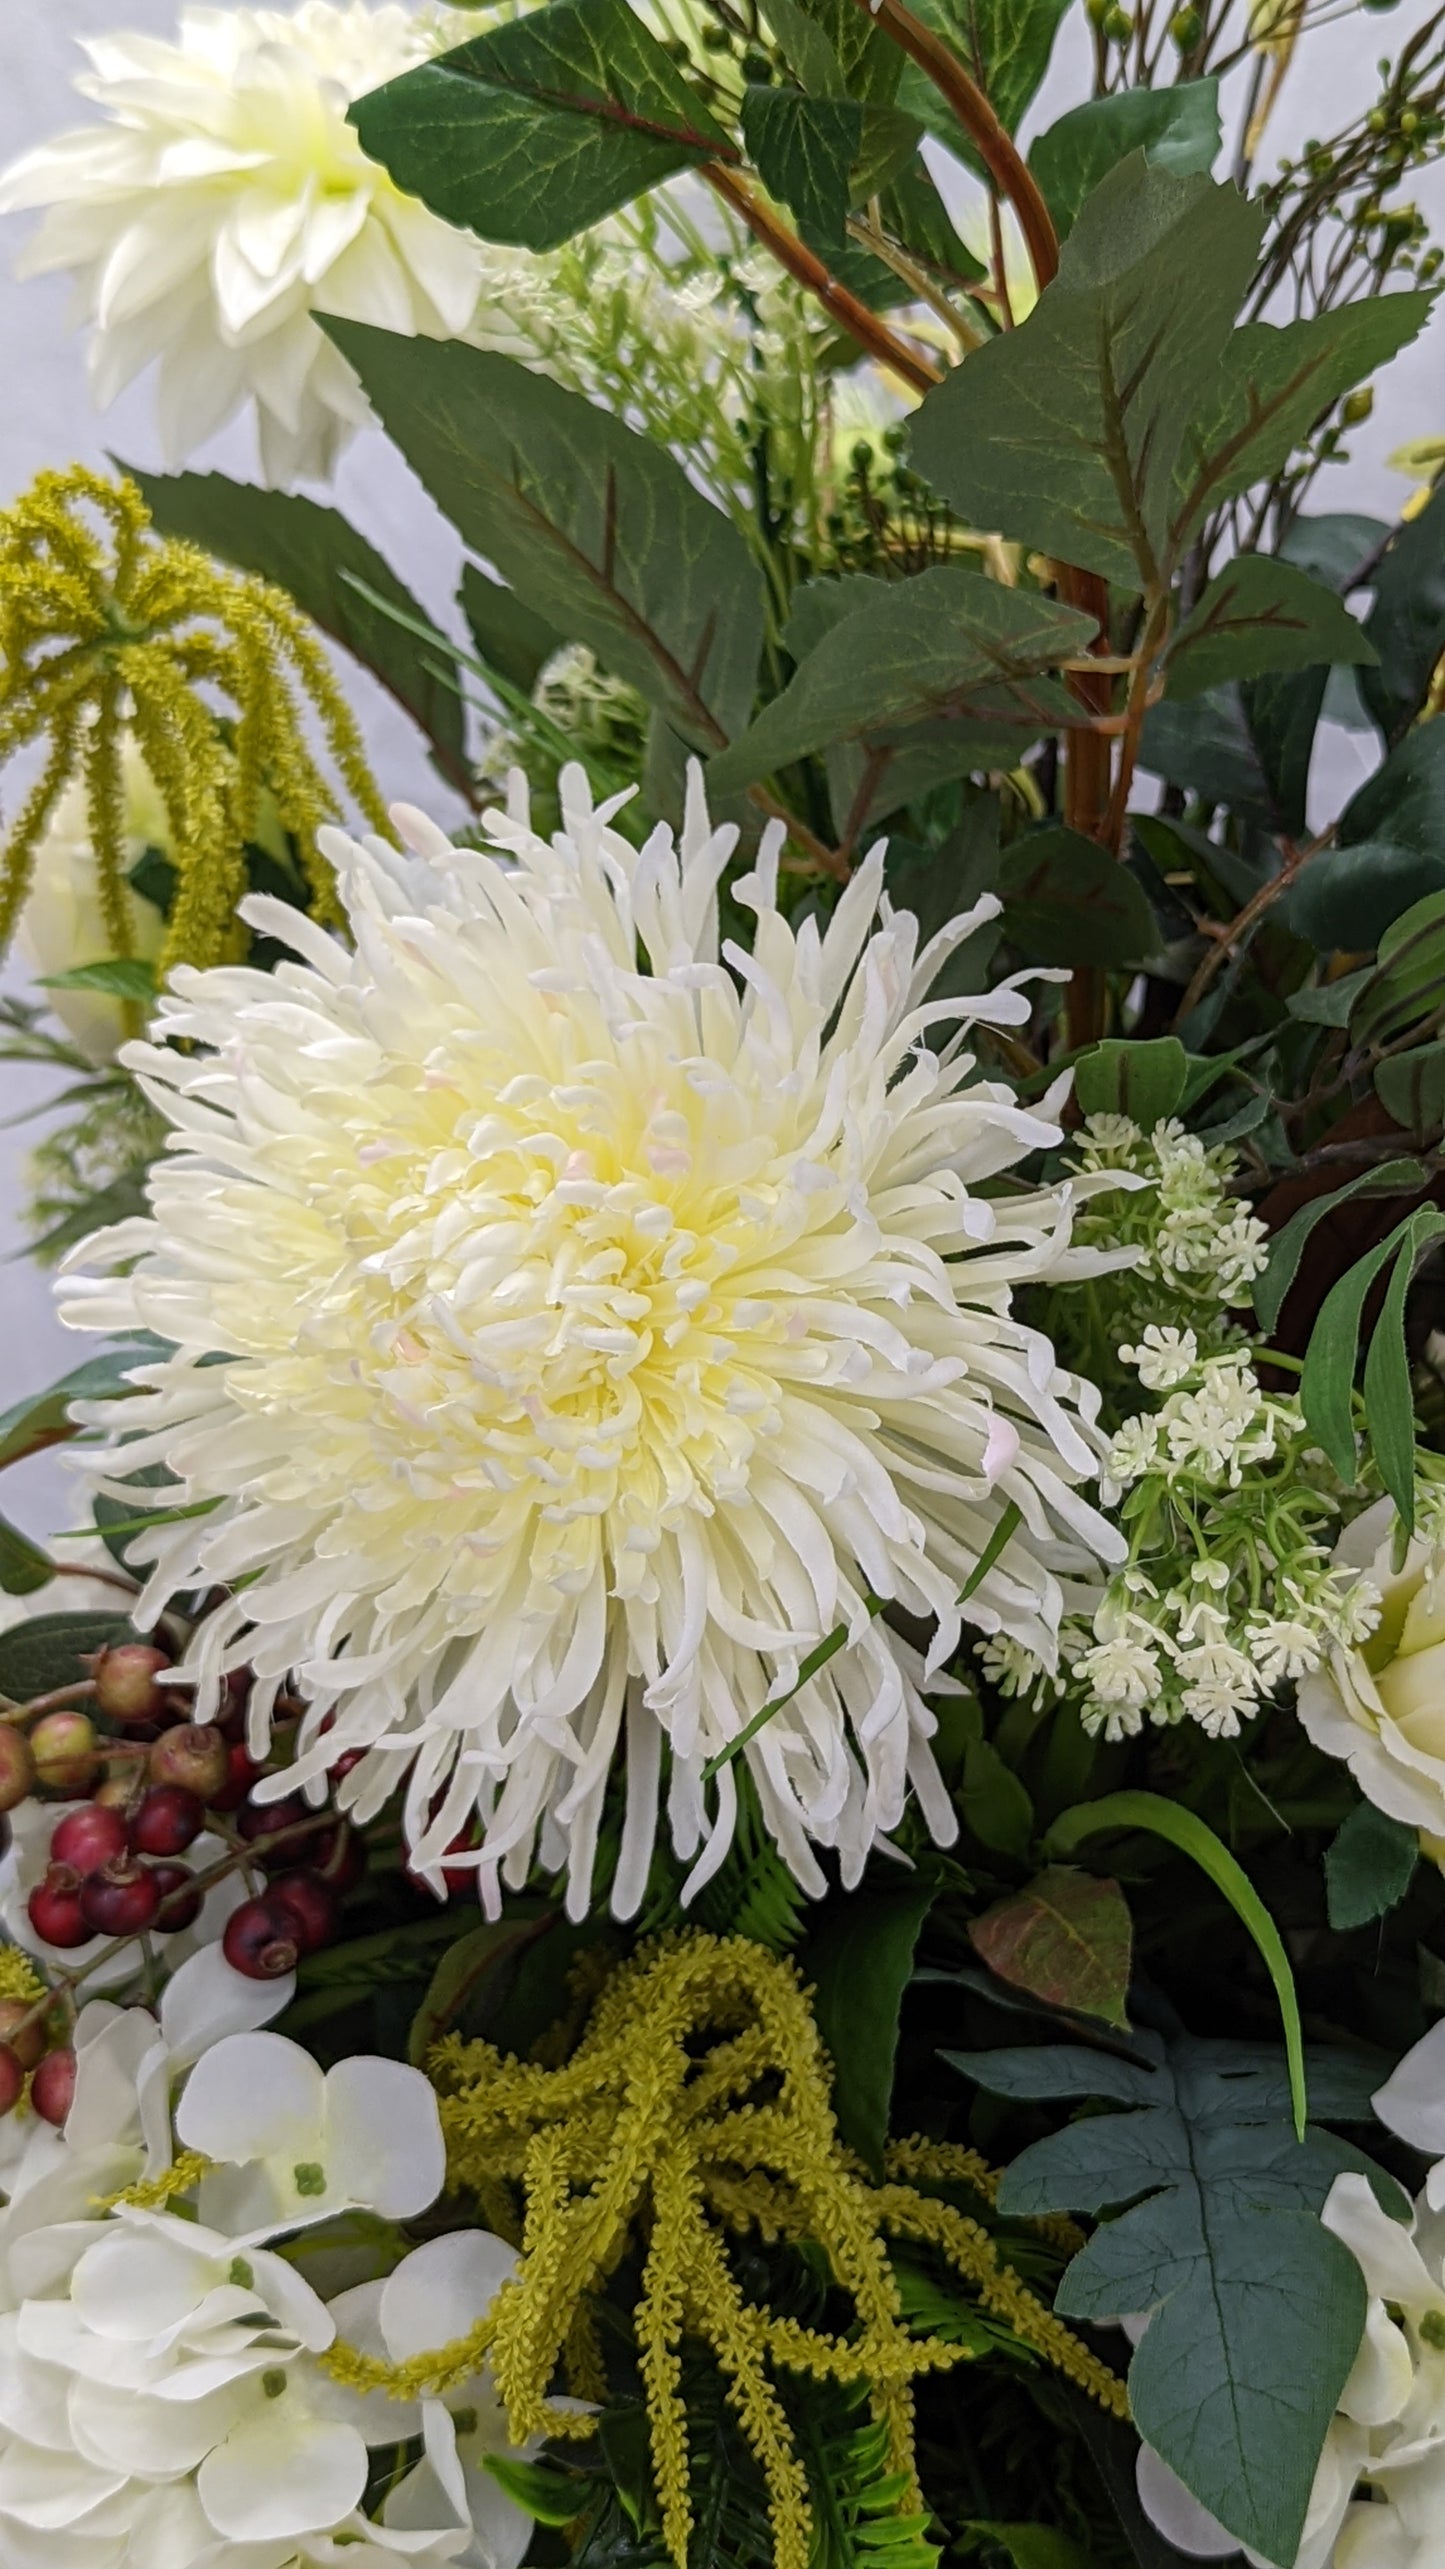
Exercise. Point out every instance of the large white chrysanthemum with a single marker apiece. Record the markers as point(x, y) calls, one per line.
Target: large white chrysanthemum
point(607, 1324)
point(224, 201)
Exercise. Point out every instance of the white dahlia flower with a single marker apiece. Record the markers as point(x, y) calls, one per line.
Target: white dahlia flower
point(224, 200)
point(606, 1323)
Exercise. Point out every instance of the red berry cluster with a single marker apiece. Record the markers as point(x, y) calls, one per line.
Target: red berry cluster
point(115, 1864)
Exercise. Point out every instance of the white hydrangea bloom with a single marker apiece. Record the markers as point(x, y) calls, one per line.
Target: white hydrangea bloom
point(608, 1320)
point(224, 200)
point(161, 2402)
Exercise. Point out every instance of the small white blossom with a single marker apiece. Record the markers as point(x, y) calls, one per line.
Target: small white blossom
point(1219, 1687)
point(1163, 1357)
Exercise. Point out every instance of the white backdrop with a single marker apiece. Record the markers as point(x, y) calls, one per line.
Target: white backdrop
point(46, 418)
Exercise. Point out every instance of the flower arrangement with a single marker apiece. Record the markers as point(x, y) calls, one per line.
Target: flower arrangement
point(725, 1844)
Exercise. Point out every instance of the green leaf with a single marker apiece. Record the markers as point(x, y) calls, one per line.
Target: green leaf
point(1194, 1838)
point(119, 976)
point(1065, 432)
point(1347, 897)
point(1206, 746)
point(312, 553)
point(944, 644)
point(548, 2496)
point(1067, 900)
point(1369, 1867)
point(1407, 621)
point(1327, 1382)
point(1145, 1080)
point(509, 636)
point(43, 1418)
point(1411, 1087)
point(994, 1801)
point(1403, 803)
point(1256, 2309)
point(1275, 384)
point(1066, 1938)
point(1407, 985)
point(49, 1651)
point(858, 1962)
point(1005, 44)
point(474, 1972)
point(804, 149)
point(1394, 1177)
point(540, 127)
point(1261, 614)
point(807, 49)
point(23, 1566)
point(1031, 2546)
point(1389, 1399)
point(1178, 128)
point(598, 528)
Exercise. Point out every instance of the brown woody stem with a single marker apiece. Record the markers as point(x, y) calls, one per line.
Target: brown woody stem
point(996, 148)
point(872, 334)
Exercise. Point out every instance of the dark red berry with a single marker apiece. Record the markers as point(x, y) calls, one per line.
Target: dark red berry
point(259, 1820)
point(12, 2078)
point(17, 1767)
point(167, 1821)
point(260, 1941)
point(63, 1747)
point(54, 1907)
point(88, 1838)
point(121, 1899)
point(125, 1682)
point(180, 1898)
point(309, 1903)
point(193, 1755)
point(341, 1858)
point(52, 2089)
point(345, 1765)
point(241, 1773)
point(29, 2042)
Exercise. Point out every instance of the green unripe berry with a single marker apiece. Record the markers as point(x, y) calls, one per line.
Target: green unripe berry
point(1357, 405)
point(1185, 27)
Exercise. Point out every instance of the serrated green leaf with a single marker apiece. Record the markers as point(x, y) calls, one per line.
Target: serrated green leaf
point(596, 527)
point(1369, 1866)
point(1407, 621)
point(1005, 46)
point(804, 149)
point(858, 1962)
point(1145, 1080)
point(1261, 614)
point(1178, 128)
point(23, 1566)
point(541, 126)
point(1274, 385)
point(1256, 2319)
point(1066, 1938)
point(1067, 900)
point(807, 49)
point(335, 576)
point(1066, 431)
point(944, 644)
point(119, 976)
point(1288, 1245)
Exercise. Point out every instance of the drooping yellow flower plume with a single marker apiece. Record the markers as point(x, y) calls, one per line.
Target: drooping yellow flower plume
point(107, 631)
point(697, 2106)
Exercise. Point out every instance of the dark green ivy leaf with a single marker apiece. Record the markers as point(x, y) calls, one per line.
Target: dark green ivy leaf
point(1407, 622)
point(946, 643)
point(804, 149)
point(1005, 45)
point(1369, 1867)
point(1178, 128)
point(1257, 2309)
point(1260, 614)
point(540, 126)
point(1067, 900)
point(595, 526)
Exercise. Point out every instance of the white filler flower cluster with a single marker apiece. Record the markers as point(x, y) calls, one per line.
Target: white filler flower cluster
point(607, 1320)
point(225, 201)
point(163, 2404)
